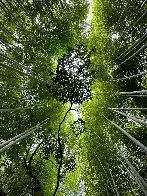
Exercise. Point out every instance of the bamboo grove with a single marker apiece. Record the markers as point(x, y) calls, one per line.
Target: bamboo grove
point(73, 98)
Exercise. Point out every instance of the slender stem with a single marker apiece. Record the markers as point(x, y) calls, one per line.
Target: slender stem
point(16, 88)
point(12, 61)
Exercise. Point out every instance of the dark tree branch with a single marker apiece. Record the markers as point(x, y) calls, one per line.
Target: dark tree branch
point(33, 154)
point(25, 164)
point(61, 152)
point(53, 163)
point(73, 109)
point(27, 167)
point(27, 153)
point(29, 171)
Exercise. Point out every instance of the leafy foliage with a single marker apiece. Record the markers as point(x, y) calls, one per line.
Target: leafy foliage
point(49, 67)
point(71, 78)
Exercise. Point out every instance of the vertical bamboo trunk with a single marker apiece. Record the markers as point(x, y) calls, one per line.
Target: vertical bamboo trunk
point(133, 24)
point(136, 179)
point(133, 76)
point(22, 73)
point(122, 14)
point(2, 150)
point(134, 45)
point(119, 109)
point(8, 47)
point(10, 33)
point(137, 95)
point(16, 137)
point(15, 88)
point(21, 26)
point(21, 134)
point(136, 174)
point(11, 60)
point(133, 92)
point(16, 21)
point(7, 44)
point(136, 119)
point(14, 8)
point(12, 15)
point(12, 142)
point(137, 52)
point(115, 187)
point(142, 16)
point(140, 8)
point(15, 109)
point(130, 174)
point(129, 136)
point(21, 4)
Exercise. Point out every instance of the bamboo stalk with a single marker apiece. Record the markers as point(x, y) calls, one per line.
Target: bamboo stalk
point(5, 145)
point(133, 76)
point(137, 52)
point(133, 92)
point(133, 118)
point(128, 135)
point(22, 73)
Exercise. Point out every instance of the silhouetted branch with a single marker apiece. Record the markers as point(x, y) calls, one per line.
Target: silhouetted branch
point(35, 151)
point(53, 163)
point(27, 153)
point(61, 152)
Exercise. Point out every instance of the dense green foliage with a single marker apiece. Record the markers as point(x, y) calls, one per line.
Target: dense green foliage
point(51, 71)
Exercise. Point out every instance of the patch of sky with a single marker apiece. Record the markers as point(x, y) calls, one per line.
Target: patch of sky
point(114, 36)
point(87, 25)
point(76, 112)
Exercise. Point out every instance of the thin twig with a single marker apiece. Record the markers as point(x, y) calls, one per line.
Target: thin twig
point(53, 163)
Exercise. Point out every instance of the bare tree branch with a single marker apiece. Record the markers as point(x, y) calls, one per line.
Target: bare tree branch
point(27, 152)
point(61, 152)
point(33, 154)
point(53, 163)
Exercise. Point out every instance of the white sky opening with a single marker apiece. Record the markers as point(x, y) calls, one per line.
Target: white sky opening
point(76, 112)
point(89, 16)
point(114, 36)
